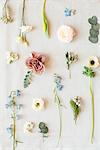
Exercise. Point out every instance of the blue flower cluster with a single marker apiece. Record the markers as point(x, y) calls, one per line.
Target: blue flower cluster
point(57, 81)
point(69, 12)
point(12, 102)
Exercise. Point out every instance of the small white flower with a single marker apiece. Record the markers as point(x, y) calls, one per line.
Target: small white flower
point(11, 57)
point(65, 34)
point(38, 104)
point(93, 62)
point(26, 29)
point(79, 105)
point(28, 127)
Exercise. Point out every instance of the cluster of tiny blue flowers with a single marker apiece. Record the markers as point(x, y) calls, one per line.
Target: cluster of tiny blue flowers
point(12, 104)
point(69, 12)
point(57, 81)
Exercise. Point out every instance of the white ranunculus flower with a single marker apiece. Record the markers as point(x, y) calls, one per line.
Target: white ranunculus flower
point(38, 104)
point(26, 29)
point(93, 62)
point(65, 33)
point(28, 127)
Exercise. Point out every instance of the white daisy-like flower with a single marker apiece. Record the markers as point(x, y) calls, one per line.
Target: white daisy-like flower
point(26, 29)
point(38, 104)
point(28, 127)
point(65, 33)
point(93, 62)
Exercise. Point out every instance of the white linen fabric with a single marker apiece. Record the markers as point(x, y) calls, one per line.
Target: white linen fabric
point(74, 137)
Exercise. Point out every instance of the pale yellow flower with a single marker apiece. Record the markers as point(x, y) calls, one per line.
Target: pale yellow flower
point(26, 29)
point(65, 33)
point(11, 57)
point(93, 62)
point(28, 127)
point(38, 104)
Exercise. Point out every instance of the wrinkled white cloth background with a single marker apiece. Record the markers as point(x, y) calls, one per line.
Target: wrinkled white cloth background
point(74, 137)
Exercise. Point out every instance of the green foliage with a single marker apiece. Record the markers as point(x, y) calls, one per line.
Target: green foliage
point(93, 39)
point(94, 31)
point(28, 79)
point(75, 108)
point(93, 20)
point(43, 129)
point(88, 72)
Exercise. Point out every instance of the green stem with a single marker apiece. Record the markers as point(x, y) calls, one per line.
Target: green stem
point(14, 127)
point(4, 8)
point(60, 124)
point(69, 73)
point(92, 98)
point(58, 102)
point(44, 4)
point(23, 13)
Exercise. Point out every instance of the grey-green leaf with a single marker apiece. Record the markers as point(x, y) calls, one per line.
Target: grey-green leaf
point(93, 39)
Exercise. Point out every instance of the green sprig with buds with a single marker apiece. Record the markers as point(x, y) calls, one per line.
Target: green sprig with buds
point(43, 129)
point(94, 31)
point(70, 59)
point(75, 105)
point(28, 78)
point(14, 107)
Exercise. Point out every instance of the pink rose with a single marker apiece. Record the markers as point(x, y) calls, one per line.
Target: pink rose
point(36, 63)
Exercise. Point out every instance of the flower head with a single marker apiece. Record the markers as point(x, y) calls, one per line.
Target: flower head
point(11, 57)
point(38, 104)
point(57, 81)
point(66, 34)
point(69, 12)
point(26, 29)
point(36, 63)
point(28, 127)
point(93, 62)
point(71, 58)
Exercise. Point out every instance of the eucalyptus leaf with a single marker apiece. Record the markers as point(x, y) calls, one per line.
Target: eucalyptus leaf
point(94, 33)
point(28, 79)
point(96, 27)
point(93, 20)
point(93, 39)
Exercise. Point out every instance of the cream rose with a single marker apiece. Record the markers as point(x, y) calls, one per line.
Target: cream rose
point(65, 33)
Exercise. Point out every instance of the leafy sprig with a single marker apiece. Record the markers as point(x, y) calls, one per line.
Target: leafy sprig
point(76, 109)
point(70, 59)
point(14, 107)
point(28, 78)
point(94, 31)
point(58, 87)
point(43, 129)
point(88, 72)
